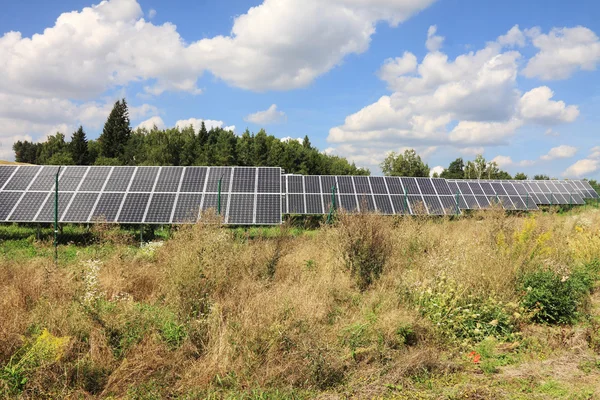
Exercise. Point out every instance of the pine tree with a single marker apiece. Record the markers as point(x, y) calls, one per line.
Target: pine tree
point(306, 143)
point(79, 147)
point(116, 132)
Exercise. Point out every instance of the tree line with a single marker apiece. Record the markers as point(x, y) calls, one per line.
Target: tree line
point(118, 144)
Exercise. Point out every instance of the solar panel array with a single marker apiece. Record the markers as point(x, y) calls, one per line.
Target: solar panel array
point(385, 195)
point(149, 195)
point(251, 195)
point(520, 195)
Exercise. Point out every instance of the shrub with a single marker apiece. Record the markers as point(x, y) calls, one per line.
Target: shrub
point(458, 315)
point(556, 299)
point(365, 241)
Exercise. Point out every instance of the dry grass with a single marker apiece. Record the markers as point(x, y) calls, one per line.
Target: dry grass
point(211, 312)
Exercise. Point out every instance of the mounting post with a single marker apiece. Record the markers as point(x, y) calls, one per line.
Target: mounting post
point(457, 206)
point(333, 206)
point(56, 217)
point(219, 195)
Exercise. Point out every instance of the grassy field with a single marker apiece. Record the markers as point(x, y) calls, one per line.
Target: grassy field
point(485, 306)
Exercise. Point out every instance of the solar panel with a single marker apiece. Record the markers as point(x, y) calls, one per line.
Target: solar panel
point(241, 209)
point(133, 207)
point(384, 204)
point(378, 185)
point(8, 200)
point(22, 178)
point(46, 214)
point(410, 184)
point(401, 204)
point(5, 173)
point(28, 206)
point(441, 186)
point(107, 207)
point(394, 185)
point(160, 208)
point(71, 178)
point(95, 179)
point(187, 209)
point(312, 184)
point(80, 208)
point(426, 186)
point(119, 179)
point(314, 204)
point(194, 180)
point(45, 179)
point(267, 211)
point(169, 179)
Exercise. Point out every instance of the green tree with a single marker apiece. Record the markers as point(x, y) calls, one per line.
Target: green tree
point(53, 148)
point(79, 147)
point(407, 164)
point(116, 132)
point(456, 170)
point(541, 177)
point(520, 176)
point(245, 149)
point(261, 150)
point(27, 152)
point(306, 143)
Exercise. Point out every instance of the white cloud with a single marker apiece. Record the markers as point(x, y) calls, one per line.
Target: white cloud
point(503, 161)
point(551, 132)
point(230, 128)
point(434, 42)
point(394, 68)
point(151, 122)
point(269, 116)
point(288, 138)
point(585, 167)
point(582, 168)
point(562, 52)
point(436, 170)
point(562, 151)
point(280, 44)
point(535, 106)
point(471, 101)
point(514, 37)
point(507, 161)
point(471, 151)
point(196, 123)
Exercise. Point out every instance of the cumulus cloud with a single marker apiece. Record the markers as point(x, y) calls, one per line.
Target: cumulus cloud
point(514, 37)
point(585, 167)
point(196, 123)
point(436, 170)
point(279, 44)
point(470, 101)
point(535, 106)
point(434, 42)
point(289, 138)
point(503, 161)
point(269, 116)
point(582, 168)
point(151, 122)
point(551, 132)
point(562, 151)
point(562, 52)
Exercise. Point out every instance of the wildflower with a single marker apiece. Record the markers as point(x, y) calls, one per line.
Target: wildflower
point(475, 357)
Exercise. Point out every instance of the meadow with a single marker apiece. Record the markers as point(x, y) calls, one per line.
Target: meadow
point(487, 305)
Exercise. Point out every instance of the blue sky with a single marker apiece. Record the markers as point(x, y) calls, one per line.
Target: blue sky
point(514, 80)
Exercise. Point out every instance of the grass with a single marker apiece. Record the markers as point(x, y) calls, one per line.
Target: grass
point(371, 307)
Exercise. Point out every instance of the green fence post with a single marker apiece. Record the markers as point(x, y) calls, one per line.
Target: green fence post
point(56, 217)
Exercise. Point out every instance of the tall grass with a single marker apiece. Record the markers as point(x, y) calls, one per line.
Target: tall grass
point(214, 310)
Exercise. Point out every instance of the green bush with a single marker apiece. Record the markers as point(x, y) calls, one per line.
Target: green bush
point(458, 315)
point(556, 299)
